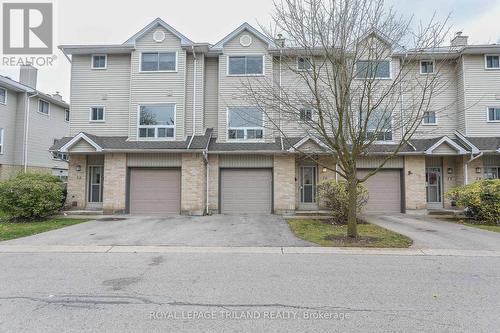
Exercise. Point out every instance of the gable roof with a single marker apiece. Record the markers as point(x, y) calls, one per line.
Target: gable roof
point(158, 22)
point(306, 139)
point(244, 27)
point(89, 138)
point(446, 140)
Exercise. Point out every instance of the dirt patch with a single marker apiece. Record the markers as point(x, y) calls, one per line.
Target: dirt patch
point(361, 240)
point(109, 219)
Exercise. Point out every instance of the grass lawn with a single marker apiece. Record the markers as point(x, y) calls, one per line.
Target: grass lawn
point(494, 228)
point(325, 234)
point(10, 230)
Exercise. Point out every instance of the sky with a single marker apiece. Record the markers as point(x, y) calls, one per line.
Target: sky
point(113, 22)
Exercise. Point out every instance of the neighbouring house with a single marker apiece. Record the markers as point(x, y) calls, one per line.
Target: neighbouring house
point(30, 123)
point(156, 129)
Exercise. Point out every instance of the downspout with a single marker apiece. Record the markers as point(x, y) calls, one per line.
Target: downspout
point(194, 96)
point(467, 164)
point(279, 104)
point(27, 127)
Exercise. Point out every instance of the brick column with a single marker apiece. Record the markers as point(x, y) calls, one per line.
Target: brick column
point(473, 176)
point(415, 182)
point(449, 179)
point(193, 184)
point(115, 183)
point(213, 183)
point(284, 184)
point(77, 182)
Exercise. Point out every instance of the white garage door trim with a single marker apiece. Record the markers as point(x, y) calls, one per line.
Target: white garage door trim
point(401, 203)
point(269, 203)
point(175, 173)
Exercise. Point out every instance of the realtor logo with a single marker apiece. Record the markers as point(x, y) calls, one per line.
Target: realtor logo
point(27, 28)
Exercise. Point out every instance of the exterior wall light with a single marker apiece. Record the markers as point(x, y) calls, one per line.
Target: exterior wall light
point(78, 168)
point(478, 170)
point(324, 170)
point(450, 171)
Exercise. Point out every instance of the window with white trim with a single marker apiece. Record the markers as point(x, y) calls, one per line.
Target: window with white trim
point(373, 69)
point(66, 115)
point(492, 61)
point(3, 96)
point(99, 61)
point(97, 113)
point(43, 106)
point(379, 125)
point(494, 114)
point(1, 141)
point(158, 61)
point(492, 172)
point(157, 121)
point(245, 123)
point(60, 156)
point(305, 114)
point(304, 64)
point(246, 65)
point(426, 67)
point(429, 118)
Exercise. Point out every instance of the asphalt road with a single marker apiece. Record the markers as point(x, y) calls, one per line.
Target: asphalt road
point(154, 292)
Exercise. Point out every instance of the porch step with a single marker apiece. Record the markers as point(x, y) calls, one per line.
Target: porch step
point(82, 212)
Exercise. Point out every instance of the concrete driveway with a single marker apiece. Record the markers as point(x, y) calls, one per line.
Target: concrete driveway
point(430, 233)
point(216, 230)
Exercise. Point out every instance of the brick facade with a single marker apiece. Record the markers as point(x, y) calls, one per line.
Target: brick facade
point(414, 169)
point(77, 182)
point(115, 183)
point(213, 183)
point(193, 184)
point(7, 171)
point(284, 184)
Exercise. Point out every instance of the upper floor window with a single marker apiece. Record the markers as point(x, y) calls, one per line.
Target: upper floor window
point(97, 113)
point(1, 141)
point(427, 67)
point(305, 114)
point(494, 114)
point(66, 115)
point(3, 96)
point(159, 62)
point(245, 123)
point(245, 65)
point(379, 125)
point(157, 121)
point(429, 118)
point(373, 69)
point(493, 61)
point(43, 106)
point(99, 61)
point(60, 156)
point(304, 64)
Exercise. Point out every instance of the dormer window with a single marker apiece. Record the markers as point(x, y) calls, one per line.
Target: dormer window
point(492, 61)
point(245, 65)
point(426, 67)
point(99, 61)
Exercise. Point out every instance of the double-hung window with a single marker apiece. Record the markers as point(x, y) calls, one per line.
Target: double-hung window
point(304, 64)
point(494, 114)
point(373, 69)
point(1, 141)
point(43, 107)
point(159, 62)
point(3, 96)
point(157, 121)
point(99, 61)
point(378, 125)
point(305, 114)
point(429, 118)
point(492, 61)
point(246, 65)
point(97, 113)
point(426, 67)
point(245, 123)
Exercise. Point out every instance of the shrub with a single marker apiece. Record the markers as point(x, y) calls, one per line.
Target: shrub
point(31, 196)
point(481, 200)
point(333, 195)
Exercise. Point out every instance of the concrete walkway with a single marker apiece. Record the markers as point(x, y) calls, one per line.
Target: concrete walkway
point(430, 233)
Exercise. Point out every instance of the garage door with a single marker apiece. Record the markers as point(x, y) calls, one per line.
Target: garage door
point(246, 191)
point(385, 191)
point(155, 191)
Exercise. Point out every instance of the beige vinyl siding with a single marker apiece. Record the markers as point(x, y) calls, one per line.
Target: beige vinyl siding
point(211, 93)
point(460, 96)
point(444, 149)
point(8, 124)
point(43, 129)
point(190, 93)
point(158, 87)
point(82, 147)
point(481, 91)
point(109, 88)
point(154, 160)
point(232, 88)
point(19, 129)
point(245, 161)
point(375, 162)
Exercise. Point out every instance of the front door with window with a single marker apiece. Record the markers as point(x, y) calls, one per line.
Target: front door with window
point(95, 185)
point(433, 188)
point(307, 187)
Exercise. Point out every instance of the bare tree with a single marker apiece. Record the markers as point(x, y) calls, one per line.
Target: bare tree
point(356, 65)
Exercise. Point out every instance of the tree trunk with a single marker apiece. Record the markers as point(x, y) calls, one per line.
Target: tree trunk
point(352, 223)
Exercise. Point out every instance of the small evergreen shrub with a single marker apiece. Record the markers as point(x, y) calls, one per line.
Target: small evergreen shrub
point(333, 195)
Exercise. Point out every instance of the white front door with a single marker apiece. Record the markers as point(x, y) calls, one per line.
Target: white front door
point(95, 184)
point(433, 187)
point(307, 187)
